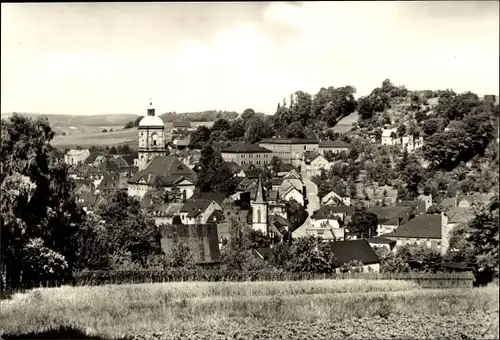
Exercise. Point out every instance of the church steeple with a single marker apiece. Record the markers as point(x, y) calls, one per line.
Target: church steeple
point(260, 196)
point(151, 110)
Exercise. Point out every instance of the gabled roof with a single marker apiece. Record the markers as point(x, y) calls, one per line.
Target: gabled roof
point(233, 167)
point(353, 250)
point(332, 144)
point(169, 166)
point(213, 196)
point(75, 152)
point(389, 215)
point(277, 181)
point(324, 212)
point(201, 239)
point(422, 226)
point(459, 215)
point(245, 148)
point(348, 210)
point(194, 207)
point(417, 205)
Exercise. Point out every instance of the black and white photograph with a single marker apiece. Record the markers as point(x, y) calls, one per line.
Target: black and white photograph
point(240, 170)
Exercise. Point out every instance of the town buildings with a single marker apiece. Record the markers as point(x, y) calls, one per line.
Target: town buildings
point(242, 154)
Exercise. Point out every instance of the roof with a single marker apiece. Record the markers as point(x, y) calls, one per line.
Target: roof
point(277, 181)
point(331, 144)
point(152, 121)
point(422, 226)
point(380, 240)
point(202, 240)
point(169, 166)
point(353, 250)
point(75, 152)
point(388, 132)
point(459, 215)
point(213, 196)
point(273, 195)
point(341, 209)
point(288, 141)
point(233, 167)
point(245, 148)
point(286, 168)
point(260, 196)
point(449, 202)
point(475, 198)
point(195, 206)
point(418, 205)
point(388, 214)
point(323, 213)
point(181, 124)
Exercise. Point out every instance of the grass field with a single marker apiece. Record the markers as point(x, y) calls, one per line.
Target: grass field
point(326, 309)
point(86, 136)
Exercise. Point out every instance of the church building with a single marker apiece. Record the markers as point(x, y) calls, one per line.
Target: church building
point(151, 138)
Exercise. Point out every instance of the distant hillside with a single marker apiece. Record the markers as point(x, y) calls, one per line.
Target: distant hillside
point(91, 120)
point(205, 116)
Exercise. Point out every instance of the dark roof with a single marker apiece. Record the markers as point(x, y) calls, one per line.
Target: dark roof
point(288, 141)
point(380, 240)
point(181, 124)
point(216, 216)
point(129, 159)
point(389, 214)
point(260, 194)
point(422, 226)
point(286, 168)
point(202, 240)
point(277, 181)
point(245, 148)
point(333, 144)
point(169, 166)
point(92, 157)
point(353, 250)
point(213, 196)
point(456, 265)
point(417, 205)
point(252, 173)
point(273, 195)
point(342, 209)
point(195, 206)
point(325, 211)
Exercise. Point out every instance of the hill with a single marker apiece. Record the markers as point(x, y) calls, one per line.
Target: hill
point(82, 120)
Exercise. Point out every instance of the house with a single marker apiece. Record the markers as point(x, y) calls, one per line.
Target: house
point(284, 169)
point(202, 240)
point(83, 186)
point(289, 150)
point(171, 170)
point(466, 201)
point(427, 199)
point(327, 228)
point(335, 146)
point(344, 213)
point(75, 157)
point(430, 230)
point(180, 127)
point(313, 163)
point(165, 213)
point(333, 198)
point(389, 136)
point(112, 182)
point(417, 207)
point(182, 143)
point(197, 211)
point(355, 250)
point(247, 154)
point(235, 169)
point(382, 242)
point(390, 218)
point(292, 189)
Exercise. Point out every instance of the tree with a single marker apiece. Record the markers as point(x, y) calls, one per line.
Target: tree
point(247, 115)
point(127, 229)
point(180, 255)
point(420, 116)
point(129, 125)
point(213, 173)
point(236, 130)
point(257, 128)
point(296, 214)
point(39, 214)
point(364, 223)
point(281, 255)
point(112, 150)
point(309, 255)
point(276, 164)
point(295, 130)
point(391, 262)
point(220, 125)
point(199, 138)
point(401, 130)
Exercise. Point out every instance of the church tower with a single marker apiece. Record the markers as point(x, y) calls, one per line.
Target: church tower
point(151, 138)
point(260, 209)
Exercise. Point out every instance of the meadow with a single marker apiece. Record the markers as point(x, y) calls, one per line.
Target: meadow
point(322, 309)
point(86, 135)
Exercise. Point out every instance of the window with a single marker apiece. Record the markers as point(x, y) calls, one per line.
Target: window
point(259, 217)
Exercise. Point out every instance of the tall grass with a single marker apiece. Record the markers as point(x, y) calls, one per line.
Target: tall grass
point(117, 310)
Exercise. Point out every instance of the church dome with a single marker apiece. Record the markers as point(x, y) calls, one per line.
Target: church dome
point(152, 121)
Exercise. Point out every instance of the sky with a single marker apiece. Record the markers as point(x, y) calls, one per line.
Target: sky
point(110, 58)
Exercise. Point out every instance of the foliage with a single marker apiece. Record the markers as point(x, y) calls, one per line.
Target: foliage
point(308, 255)
point(38, 206)
point(127, 229)
point(296, 213)
point(391, 262)
point(199, 137)
point(257, 128)
point(180, 256)
point(214, 174)
point(276, 164)
point(204, 116)
point(364, 223)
